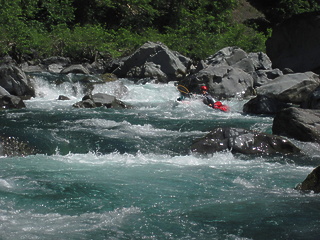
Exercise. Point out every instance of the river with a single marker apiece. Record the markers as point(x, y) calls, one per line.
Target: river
point(128, 173)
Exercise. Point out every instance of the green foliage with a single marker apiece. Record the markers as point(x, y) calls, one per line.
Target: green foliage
point(80, 28)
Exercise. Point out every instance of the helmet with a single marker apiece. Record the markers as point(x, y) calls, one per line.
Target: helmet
point(204, 88)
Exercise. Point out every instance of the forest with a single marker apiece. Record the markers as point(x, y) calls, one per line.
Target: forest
point(87, 29)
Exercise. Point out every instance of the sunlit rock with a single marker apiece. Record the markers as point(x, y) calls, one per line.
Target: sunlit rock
point(293, 88)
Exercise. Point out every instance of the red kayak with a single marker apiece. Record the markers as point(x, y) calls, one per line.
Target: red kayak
point(220, 106)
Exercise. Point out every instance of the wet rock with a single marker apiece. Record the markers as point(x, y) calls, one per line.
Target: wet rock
point(99, 100)
point(62, 97)
point(10, 102)
point(312, 182)
point(243, 141)
point(301, 124)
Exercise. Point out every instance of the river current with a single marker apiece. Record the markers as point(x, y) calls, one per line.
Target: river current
point(128, 173)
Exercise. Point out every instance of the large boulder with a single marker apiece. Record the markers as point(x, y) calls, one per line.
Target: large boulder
point(173, 66)
point(293, 88)
point(264, 105)
point(15, 81)
point(294, 43)
point(243, 141)
point(99, 100)
point(223, 81)
point(312, 182)
point(238, 58)
point(301, 124)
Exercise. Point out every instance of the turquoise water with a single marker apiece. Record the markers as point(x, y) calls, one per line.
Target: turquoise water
point(128, 174)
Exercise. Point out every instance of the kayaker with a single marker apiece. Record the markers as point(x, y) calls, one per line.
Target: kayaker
point(207, 98)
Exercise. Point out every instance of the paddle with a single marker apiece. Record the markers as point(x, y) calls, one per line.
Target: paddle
point(183, 89)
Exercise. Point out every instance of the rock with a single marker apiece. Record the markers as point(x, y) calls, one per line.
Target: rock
point(312, 182)
point(148, 70)
point(294, 43)
point(260, 61)
point(264, 105)
point(3, 92)
point(313, 100)
point(10, 101)
point(301, 124)
point(226, 56)
point(169, 65)
point(238, 58)
point(262, 77)
point(243, 141)
point(78, 68)
point(15, 81)
point(223, 81)
point(292, 88)
point(99, 100)
point(61, 97)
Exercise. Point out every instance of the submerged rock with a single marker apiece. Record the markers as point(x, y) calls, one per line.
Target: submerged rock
point(244, 141)
point(11, 146)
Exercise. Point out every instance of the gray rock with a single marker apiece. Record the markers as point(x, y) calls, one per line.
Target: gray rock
point(172, 65)
point(243, 141)
point(99, 100)
point(293, 88)
point(15, 81)
point(262, 77)
point(148, 70)
point(223, 81)
point(301, 124)
point(78, 68)
point(3, 92)
point(260, 61)
point(226, 56)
